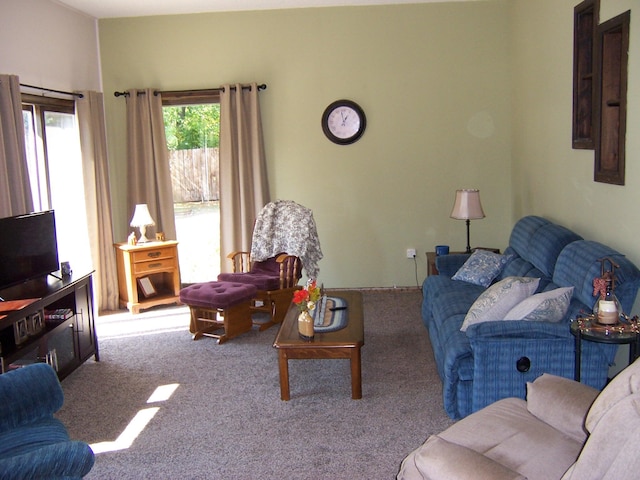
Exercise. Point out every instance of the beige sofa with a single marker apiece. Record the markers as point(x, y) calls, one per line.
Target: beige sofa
point(559, 432)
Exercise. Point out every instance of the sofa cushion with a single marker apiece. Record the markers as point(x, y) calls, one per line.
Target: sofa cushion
point(626, 383)
point(481, 268)
point(498, 299)
point(537, 242)
point(506, 432)
point(569, 402)
point(522, 233)
point(611, 451)
point(578, 264)
point(261, 281)
point(546, 244)
point(438, 459)
point(549, 306)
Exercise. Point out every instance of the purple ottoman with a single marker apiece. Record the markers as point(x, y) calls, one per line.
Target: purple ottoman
point(219, 306)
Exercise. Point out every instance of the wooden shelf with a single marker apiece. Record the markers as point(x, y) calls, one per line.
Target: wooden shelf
point(64, 344)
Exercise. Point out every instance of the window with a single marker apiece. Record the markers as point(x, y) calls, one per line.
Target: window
point(192, 126)
point(55, 172)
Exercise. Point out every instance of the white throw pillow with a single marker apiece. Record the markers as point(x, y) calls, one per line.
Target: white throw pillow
point(498, 299)
point(548, 306)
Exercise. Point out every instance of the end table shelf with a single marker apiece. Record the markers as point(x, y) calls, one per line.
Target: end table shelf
point(588, 329)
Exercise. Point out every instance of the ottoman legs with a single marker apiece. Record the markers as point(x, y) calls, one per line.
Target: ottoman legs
point(222, 324)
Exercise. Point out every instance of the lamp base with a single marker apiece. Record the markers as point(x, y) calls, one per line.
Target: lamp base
point(143, 234)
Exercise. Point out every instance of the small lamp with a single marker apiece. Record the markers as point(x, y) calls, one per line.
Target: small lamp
point(142, 219)
point(467, 207)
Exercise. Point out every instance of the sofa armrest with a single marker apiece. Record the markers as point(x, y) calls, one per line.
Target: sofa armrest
point(438, 459)
point(57, 461)
point(508, 354)
point(29, 394)
point(518, 329)
point(449, 264)
point(571, 401)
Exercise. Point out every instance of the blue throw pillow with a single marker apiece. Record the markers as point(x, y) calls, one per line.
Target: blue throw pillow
point(482, 267)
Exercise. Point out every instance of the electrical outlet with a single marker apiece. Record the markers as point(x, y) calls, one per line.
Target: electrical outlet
point(411, 253)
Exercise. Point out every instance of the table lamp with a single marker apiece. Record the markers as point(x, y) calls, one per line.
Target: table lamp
point(142, 219)
point(467, 207)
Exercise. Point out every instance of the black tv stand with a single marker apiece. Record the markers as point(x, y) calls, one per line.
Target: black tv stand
point(28, 334)
point(55, 276)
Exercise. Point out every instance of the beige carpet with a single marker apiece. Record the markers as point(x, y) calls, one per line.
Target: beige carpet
point(219, 415)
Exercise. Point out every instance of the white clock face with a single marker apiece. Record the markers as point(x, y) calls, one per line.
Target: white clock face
point(343, 122)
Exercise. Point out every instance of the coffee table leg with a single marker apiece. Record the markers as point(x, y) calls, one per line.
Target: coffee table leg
point(283, 364)
point(356, 374)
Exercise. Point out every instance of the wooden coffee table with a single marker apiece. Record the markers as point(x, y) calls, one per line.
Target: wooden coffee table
point(344, 343)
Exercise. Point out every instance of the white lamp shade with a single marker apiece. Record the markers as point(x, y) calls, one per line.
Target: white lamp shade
point(467, 205)
point(141, 216)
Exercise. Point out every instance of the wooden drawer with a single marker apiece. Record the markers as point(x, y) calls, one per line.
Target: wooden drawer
point(160, 265)
point(159, 253)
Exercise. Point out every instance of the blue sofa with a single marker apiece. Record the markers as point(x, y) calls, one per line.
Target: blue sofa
point(34, 444)
point(495, 359)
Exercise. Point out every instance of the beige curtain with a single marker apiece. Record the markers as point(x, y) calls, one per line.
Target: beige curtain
point(148, 160)
point(244, 188)
point(93, 141)
point(15, 189)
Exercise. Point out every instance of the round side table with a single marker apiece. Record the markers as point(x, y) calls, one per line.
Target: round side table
point(587, 328)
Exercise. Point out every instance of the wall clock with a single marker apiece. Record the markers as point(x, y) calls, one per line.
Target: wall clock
point(343, 122)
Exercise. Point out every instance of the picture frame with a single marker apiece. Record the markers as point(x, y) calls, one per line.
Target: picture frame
point(35, 323)
point(20, 331)
point(146, 287)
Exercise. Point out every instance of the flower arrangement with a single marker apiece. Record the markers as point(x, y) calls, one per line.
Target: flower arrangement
point(307, 297)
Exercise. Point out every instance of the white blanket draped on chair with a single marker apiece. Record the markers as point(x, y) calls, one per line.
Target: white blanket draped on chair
point(285, 226)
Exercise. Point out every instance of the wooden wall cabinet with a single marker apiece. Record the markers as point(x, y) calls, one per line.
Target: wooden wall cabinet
point(600, 57)
point(585, 21)
point(612, 42)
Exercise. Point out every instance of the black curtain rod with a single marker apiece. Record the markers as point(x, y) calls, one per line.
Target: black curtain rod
point(74, 94)
point(219, 89)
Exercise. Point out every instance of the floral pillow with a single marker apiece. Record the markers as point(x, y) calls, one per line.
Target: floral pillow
point(482, 267)
point(548, 306)
point(498, 299)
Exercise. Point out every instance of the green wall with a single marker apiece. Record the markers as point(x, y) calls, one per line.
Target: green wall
point(457, 95)
point(550, 178)
point(433, 80)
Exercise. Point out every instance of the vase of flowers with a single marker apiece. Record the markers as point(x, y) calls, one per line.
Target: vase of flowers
point(305, 299)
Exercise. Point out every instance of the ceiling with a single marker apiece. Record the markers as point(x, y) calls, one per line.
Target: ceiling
point(138, 8)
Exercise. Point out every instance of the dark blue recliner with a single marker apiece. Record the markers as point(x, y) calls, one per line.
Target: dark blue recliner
point(34, 444)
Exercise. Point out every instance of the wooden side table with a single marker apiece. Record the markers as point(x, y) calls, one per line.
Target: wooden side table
point(148, 274)
point(431, 262)
point(431, 258)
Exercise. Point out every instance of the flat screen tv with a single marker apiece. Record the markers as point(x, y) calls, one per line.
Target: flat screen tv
point(28, 247)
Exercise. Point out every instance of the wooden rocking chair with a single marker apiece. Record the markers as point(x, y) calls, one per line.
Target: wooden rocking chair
point(276, 279)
